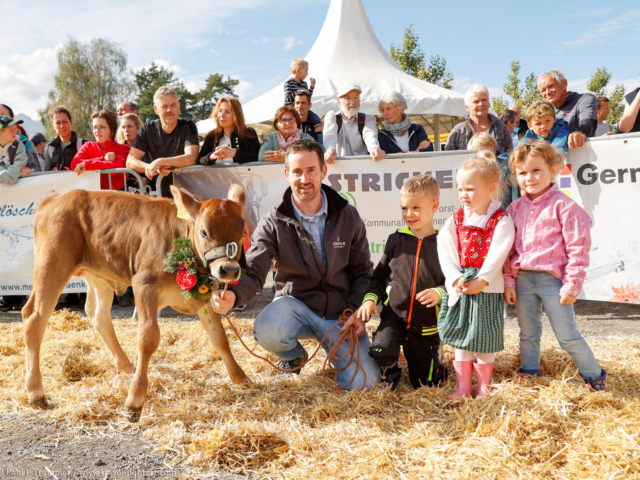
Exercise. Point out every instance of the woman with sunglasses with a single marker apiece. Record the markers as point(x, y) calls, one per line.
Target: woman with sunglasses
point(105, 152)
point(287, 125)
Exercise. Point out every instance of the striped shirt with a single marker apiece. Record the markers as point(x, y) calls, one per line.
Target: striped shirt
point(314, 225)
point(291, 87)
point(552, 235)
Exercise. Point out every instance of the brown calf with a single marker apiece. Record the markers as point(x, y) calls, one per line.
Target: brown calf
point(113, 240)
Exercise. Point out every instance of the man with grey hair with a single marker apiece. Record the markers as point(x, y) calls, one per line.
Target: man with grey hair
point(477, 103)
point(579, 110)
point(126, 107)
point(170, 141)
point(349, 132)
point(521, 125)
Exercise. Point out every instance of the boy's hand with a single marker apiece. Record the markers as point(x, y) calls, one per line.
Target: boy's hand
point(429, 297)
point(313, 82)
point(510, 295)
point(473, 287)
point(365, 310)
point(566, 299)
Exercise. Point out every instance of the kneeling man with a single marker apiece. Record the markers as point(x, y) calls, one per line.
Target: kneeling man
point(320, 246)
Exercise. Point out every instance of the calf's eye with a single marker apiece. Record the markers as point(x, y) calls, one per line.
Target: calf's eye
point(203, 233)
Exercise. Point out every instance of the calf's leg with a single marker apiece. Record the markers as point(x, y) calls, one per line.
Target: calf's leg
point(50, 278)
point(213, 326)
point(148, 340)
point(98, 309)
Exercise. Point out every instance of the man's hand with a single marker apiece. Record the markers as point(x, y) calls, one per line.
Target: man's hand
point(330, 156)
point(577, 139)
point(378, 154)
point(510, 296)
point(110, 156)
point(566, 299)
point(429, 297)
point(318, 128)
point(313, 82)
point(222, 305)
point(152, 169)
point(274, 155)
point(424, 144)
point(80, 168)
point(473, 287)
point(365, 311)
point(25, 171)
point(359, 324)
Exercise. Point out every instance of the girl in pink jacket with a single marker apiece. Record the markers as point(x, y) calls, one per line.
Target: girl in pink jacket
point(546, 266)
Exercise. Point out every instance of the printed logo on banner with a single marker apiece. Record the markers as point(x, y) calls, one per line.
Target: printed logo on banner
point(349, 198)
point(565, 181)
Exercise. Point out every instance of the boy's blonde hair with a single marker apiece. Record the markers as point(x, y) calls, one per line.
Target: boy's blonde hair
point(537, 148)
point(298, 63)
point(423, 184)
point(539, 109)
point(482, 141)
point(485, 166)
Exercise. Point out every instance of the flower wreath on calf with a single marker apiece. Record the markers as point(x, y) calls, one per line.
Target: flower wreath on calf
point(194, 279)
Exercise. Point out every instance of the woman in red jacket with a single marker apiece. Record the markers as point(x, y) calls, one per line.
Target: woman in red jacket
point(105, 152)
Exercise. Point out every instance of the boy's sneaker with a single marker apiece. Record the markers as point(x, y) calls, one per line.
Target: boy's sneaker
point(596, 384)
point(291, 364)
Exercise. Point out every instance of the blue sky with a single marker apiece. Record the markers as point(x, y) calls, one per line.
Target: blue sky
point(255, 40)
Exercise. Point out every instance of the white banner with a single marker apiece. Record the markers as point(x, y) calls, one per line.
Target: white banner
point(603, 177)
point(18, 204)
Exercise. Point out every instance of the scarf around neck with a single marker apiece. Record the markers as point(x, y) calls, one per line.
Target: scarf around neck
point(397, 128)
point(284, 143)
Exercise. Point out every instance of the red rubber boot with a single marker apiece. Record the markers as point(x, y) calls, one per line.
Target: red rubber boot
point(464, 374)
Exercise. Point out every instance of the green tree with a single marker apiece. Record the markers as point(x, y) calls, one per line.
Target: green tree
point(91, 76)
point(522, 95)
point(149, 80)
point(411, 59)
point(206, 99)
point(597, 84)
point(498, 104)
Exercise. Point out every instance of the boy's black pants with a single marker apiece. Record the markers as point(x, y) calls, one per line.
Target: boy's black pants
point(419, 347)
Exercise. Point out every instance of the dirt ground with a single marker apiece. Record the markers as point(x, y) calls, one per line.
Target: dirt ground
point(33, 447)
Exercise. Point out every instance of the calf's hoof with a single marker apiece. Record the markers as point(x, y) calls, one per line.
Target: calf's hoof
point(134, 414)
point(40, 403)
point(242, 381)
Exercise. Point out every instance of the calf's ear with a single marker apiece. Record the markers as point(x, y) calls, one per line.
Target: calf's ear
point(185, 202)
point(236, 193)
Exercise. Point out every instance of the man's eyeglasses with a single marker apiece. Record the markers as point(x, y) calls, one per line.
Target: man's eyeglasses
point(352, 99)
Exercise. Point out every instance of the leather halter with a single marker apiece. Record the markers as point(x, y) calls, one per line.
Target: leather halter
point(229, 250)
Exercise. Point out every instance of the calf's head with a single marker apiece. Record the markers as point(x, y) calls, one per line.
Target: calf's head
point(218, 227)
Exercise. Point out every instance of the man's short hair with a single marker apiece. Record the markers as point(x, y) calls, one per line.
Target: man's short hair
point(298, 63)
point(539, 109)
point(59, 109)
point(557, 74)
point(304, 93)
point(507, 116)
point(132, 106)
point(600, 101)
point(8, 108)
point(423, 184)
point(165, 91)
point(304, 145)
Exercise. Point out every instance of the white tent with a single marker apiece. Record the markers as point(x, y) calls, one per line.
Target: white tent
point(348, 51)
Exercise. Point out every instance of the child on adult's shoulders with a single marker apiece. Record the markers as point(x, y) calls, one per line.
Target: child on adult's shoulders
point(300, 71)
point(543, 125)
point(409, 283)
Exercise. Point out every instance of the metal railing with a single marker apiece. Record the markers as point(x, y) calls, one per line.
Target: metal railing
point(143, 190)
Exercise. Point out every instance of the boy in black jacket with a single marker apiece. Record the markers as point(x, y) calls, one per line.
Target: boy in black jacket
point(409, 282)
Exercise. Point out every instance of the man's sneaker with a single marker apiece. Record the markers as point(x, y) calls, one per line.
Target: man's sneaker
point(291, 364)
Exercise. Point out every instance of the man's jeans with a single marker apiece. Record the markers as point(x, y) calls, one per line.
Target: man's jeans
point(286, 320)
point(533, 290)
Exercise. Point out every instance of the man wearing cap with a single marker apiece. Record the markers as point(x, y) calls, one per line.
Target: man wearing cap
point(13, 154)
point(349, 132)
point(39, 143)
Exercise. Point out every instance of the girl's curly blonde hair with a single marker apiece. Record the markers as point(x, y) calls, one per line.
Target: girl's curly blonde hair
point(537, 148)
point(484, 165)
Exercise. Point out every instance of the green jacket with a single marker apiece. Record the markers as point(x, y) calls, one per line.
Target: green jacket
point(11, 165)
point(271, 144)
